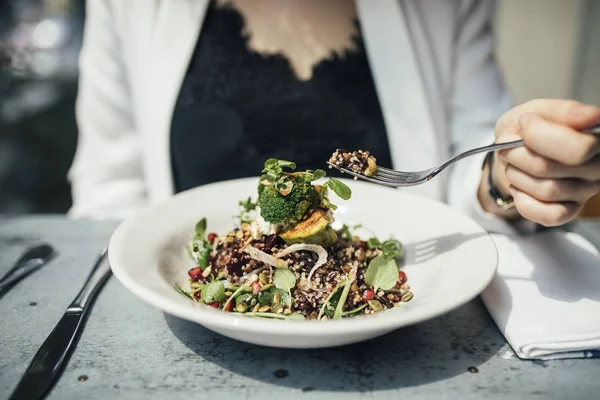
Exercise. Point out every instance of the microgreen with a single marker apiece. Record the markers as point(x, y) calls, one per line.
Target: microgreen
point(348, 231)
point(265, 298)
point(295, 317)
point(330, 303)
point(284, 279)
point(272, 171)
point(382, 273)
point(391, 248)
point(244, 297)
point(214, 291)
point(246, 207)
point(342, 300)
point(339, 188)
point(183, 292)
point(355, 311)
point(373, 243)
point(201, 228)
point(310, 175)
point(285, 296)
point(235, 294)
point(200, 248)
point(333, 306)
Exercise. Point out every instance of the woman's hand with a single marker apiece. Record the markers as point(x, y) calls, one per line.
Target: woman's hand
point(558, 169)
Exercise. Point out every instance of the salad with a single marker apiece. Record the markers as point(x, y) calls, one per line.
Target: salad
point(360, 161)
point(284, 260)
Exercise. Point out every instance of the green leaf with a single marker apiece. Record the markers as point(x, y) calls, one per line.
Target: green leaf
point(265, 298)
point(295, 317)
point(339, 188)
point(183, 292)
point(373, 243)
point(355, 311)
point(382, 273)
point(285, 296)
point(270, 163)
point(342, 300)
point(202, 257)
point(286, 164)
point(392, 248)
point(275, 166)
point(234, 295)
point(348, 232)
point(247, 205)
point(201, 228)
point(214, 291)
point(333, 302)
point(318, 174)
point(330, 303)
point(244, 297)
point(327, 204)
point(284, 279)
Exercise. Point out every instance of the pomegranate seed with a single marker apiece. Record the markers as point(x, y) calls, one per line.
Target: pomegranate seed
point(368, 294)
point(211, 237)
point(401, 276)
point(363, 245)
point(197, 295)
point(214, 304)
point(256, 287)
point(229, 306)
point(195, 274)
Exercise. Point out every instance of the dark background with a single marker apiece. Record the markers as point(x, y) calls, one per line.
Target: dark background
point(39, 45)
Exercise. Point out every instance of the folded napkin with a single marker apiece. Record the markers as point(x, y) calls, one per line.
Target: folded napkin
point(545, 297)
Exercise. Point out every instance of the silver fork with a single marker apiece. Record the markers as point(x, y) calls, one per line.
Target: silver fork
point(389, 177)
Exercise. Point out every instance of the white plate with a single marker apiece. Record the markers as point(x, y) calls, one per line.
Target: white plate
point(449, 261)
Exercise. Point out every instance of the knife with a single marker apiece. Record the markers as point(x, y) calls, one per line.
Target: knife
point(54, 353)
point(33, 259)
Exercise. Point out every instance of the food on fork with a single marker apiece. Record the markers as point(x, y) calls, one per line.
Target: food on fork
point(284, 259)
point(360, 161)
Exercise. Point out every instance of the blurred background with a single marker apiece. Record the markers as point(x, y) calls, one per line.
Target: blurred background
point(546, 48)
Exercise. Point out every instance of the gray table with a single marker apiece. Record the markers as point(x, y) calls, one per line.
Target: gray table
point(130, 350)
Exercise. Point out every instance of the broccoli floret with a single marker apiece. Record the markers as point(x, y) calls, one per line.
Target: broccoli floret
point(277, 208)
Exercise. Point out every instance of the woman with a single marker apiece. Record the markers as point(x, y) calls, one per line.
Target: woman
point(179, 93)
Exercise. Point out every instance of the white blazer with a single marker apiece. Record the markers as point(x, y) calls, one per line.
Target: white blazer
point(432, 62)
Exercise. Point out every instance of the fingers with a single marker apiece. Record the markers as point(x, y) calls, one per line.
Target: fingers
point(552, 190)
point(544, 213)
point(541, 167)
point(572, 113)
point(558, 169)
point(556, 141)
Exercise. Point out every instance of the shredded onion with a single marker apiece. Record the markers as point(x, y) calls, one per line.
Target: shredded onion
point(268, 259)
point(321, 252)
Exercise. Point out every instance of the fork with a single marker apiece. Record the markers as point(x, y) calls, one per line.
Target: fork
point(389, 177)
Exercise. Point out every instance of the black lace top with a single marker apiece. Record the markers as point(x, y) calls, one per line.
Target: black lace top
point(237, 108)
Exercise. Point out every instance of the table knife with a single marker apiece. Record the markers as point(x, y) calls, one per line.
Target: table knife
point(53, 355)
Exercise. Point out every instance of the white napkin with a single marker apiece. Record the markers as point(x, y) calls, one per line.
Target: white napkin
point(545, 297)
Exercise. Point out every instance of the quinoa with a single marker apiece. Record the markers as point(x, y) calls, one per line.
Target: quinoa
point(360, 161)
point(229, 262)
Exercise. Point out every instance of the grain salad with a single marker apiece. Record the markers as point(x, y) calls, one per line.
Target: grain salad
point(360, 161)
point(284, 260)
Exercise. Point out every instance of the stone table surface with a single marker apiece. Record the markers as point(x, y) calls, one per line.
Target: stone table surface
point(130, 350)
